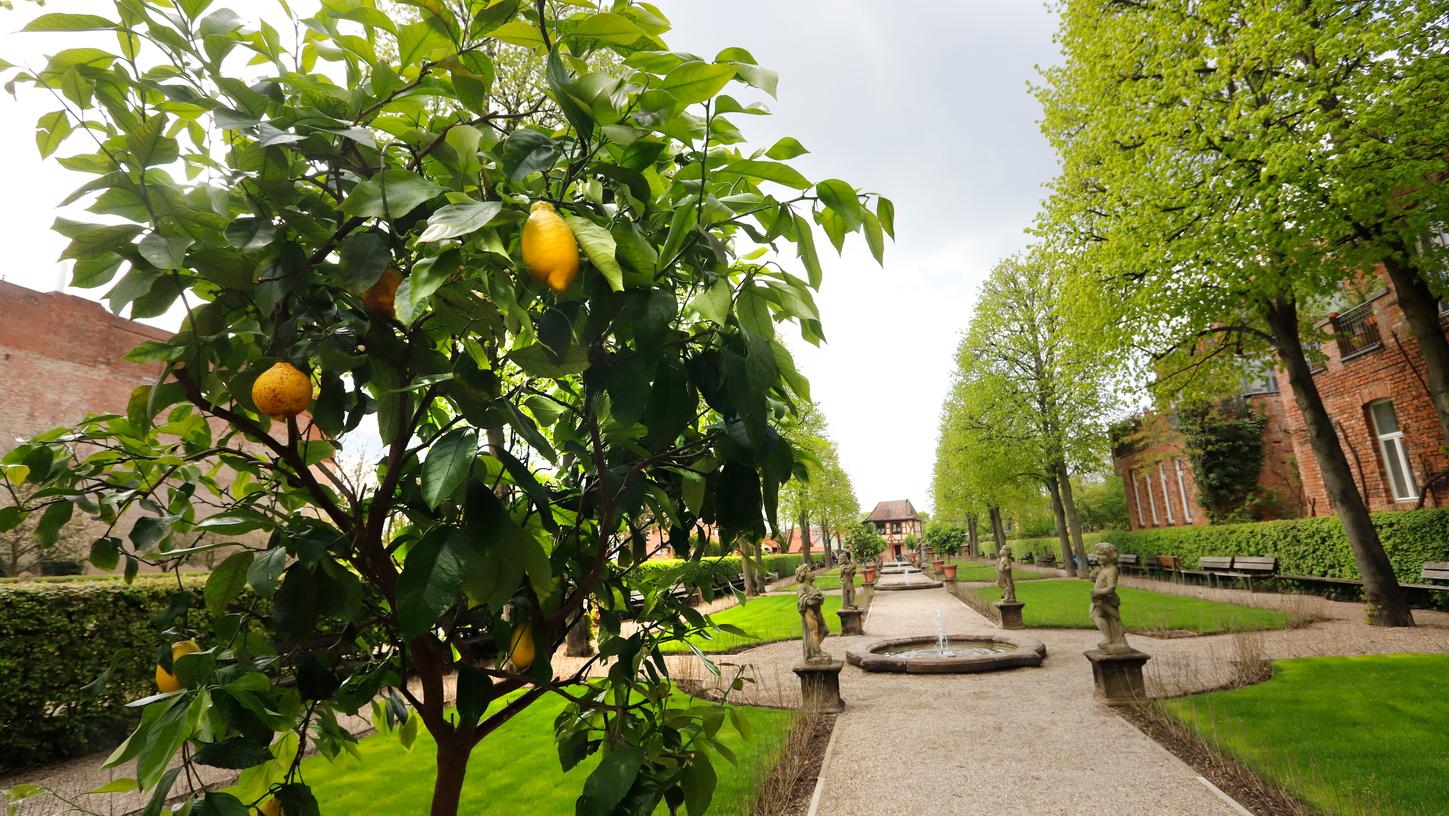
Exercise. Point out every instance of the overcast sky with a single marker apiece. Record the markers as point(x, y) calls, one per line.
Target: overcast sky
point(923, 102)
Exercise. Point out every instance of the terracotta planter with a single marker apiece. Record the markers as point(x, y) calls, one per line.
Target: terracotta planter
point(951, 571)
point(937, 565)
point(869, 575)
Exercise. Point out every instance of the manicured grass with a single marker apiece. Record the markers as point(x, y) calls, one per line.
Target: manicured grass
point(1066, 604)
point(977, 571)
point(826, 581)
point(764, 619)
point(516, 769)
point(1347, 735)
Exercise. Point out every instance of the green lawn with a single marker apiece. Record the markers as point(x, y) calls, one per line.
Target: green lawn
point(831, 580)
point(1066, 604)
point(516, 769)
point(764, 619)
point(1347, 735)
point(977, 571)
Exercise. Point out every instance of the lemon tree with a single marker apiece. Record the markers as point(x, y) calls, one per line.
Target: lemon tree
point(341, 195)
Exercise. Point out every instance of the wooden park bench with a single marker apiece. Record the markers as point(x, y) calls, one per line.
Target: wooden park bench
point(1207, 566)
point(1169, 564)
point(1235, 567)
point(1127, 561)
point(1048, 559)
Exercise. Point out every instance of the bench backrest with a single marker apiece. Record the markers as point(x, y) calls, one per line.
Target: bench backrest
point(1435, 571)
point(1127, 559)
point(1168, 562)
point(1048, 558)
point(1255, 563)
point(1215, 562)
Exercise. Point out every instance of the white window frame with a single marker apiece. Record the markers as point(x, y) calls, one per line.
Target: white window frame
point(1182, 491)
point(1137, 497)
point(1166, 494)
point(1391, 447)
point(1151, 500)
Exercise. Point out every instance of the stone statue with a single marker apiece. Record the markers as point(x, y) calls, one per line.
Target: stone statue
point(1106, 605)
point(1004, 578)
point(847, 580)
point(809, 599)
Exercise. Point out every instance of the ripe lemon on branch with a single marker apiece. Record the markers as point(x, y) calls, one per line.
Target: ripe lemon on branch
point(550, 250)
point(282, 391)
point(165, 680)
point(379, 300)
point(520, 647)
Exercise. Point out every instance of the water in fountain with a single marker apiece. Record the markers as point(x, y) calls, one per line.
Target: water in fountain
point(944, 647)
point(940, 631)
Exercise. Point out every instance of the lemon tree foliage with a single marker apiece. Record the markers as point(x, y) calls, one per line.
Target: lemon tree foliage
point(1226, 166)
point(340, 193)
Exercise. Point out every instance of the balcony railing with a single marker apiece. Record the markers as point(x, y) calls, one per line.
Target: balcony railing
point(1357, 331)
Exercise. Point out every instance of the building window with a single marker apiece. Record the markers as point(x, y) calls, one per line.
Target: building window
point(896, 527)
point(1151, 500)
point(1182, 491)
point(1391, 446)
point(1137, 498)
point(1166, 495)
point(1357, 331)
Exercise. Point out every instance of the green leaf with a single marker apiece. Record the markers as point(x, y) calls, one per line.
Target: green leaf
point(50, 131)
point(363, 257)
point(886, 212)
point(786, 148)
point(459, 219)
point(840, 197)
point(699, 783)
point(599, 246)
point(713, 304)
point(226, 581)
point(526, 152)
point(216, 803)
point(427, 277)
point(874, 238)
point(264, 571)
point(69, 22)
point(606, 786)
point(149, 145)
point(768, 171)
point(106, 553)
point(449, 460)
point(431, 579)
point(165, 251)
point(419, 42)
point(234, 753)
point(805, 247)
point(475, 692)
point(696, 81)
point(752, 309)
point(391, 194)
point(615, 29)
point(54, 518)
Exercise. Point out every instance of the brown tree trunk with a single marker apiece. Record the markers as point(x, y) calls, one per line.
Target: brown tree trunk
point(1056, 493)
point(747, 568)
point(452, 768)
point(1421, 312)
point(1386, 604)
point(998, 531)
point(1074, 524)
point(973, 543)
point(804, 523)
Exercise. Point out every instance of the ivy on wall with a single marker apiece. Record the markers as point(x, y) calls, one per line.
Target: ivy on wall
point(1224, 444)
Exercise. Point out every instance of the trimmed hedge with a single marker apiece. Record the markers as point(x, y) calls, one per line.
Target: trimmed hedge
point(712, 572)
point(58, 636)
point(1308, 546)
point(1041, 545)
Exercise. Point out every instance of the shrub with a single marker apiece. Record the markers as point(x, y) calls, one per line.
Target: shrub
point(59, 636)
point(1308, 546)
point(1041, 545)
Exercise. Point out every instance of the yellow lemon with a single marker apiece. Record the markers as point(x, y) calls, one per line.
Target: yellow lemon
point(549, 248)
point(379, 298)
point(165, 680)
point(520, 652)
point(282, 391)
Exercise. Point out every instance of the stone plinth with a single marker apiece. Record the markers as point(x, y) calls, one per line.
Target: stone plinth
point(850, 620)
point(1010, 612)
point(820, 687)
point(1118, 676)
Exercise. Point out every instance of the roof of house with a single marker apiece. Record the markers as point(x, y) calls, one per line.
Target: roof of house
point(897, 510)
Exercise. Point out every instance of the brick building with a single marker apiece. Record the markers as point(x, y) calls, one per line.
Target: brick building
point(895, 520)
point(60, 359)
point(1372, 383)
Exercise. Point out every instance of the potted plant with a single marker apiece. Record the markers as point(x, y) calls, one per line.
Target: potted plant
point(865, 544)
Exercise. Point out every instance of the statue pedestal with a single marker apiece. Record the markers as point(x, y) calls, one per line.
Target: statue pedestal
point(1010, 612)
point(820, 687)
point(1118, 676)
point(850, 620)
point(951, 585)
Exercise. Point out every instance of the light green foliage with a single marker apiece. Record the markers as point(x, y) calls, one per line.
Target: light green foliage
point(765, 619)
point(864, 542)
point(975, 571)
point(1066, 604)
point(261, 175)
point(1374, 745)
point(821, 490)
point(1102, 502)
point(946, 538)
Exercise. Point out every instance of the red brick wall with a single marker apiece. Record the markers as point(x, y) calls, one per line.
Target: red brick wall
point(60, 358)
point(1394, 371)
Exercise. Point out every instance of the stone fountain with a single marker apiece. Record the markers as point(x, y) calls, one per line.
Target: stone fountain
point(949, 654)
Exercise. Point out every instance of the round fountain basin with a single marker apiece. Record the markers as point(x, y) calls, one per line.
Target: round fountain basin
point(962, 654)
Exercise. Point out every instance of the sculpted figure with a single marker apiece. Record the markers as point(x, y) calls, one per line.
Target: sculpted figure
point(847, 580)
point(809, 599)
point(1004, 578)
point(1106, 605)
